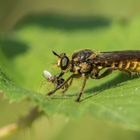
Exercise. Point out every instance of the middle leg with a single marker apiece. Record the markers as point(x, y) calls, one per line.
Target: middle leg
point(82, 89)
point(67, 85)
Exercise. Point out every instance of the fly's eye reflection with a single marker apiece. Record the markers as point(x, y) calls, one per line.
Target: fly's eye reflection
point(64, 63)
point(89, 64)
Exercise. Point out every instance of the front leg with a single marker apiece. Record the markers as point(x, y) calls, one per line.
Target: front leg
point(67, 85)
point(61, 85)
point(60, 74)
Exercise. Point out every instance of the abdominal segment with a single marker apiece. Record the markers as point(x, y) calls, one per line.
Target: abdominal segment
point(132, 66)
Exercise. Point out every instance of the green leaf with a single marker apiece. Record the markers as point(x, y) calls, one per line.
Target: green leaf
point(27, 52)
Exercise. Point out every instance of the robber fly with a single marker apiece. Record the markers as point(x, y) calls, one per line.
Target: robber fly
point(89, 64)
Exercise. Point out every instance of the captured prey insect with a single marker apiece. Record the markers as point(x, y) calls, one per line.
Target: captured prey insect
point(89, 64)
point(56, 80)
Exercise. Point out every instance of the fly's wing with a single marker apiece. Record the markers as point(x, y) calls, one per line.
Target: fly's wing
point(119, 56)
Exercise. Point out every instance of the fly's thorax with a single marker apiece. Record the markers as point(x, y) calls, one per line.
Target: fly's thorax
point(85, 67)
point(82, 67)
point(82, 61)
point(83, 55)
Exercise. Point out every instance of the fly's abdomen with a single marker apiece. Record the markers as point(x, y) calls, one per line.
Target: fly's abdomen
point(135, 66)
point(132, 66)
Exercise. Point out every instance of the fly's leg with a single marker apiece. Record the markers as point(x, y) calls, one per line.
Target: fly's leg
point(70, 83)
point(110, 70)
point(60, 74)
point(60, 81)
point(105, 73)
point(61, 85)
point(67, 85)
point(82, 89)
point(128, 72)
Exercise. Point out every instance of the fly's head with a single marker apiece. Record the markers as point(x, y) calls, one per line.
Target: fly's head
point(63, 61)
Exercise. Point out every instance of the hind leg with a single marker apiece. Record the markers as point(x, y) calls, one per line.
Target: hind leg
point(104, 74)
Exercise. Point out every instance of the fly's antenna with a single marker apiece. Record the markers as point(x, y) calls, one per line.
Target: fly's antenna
point(56, 54)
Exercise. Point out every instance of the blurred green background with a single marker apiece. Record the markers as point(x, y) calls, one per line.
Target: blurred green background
point(29, 27)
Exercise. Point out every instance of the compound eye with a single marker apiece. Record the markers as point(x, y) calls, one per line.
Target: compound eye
point(64, 63)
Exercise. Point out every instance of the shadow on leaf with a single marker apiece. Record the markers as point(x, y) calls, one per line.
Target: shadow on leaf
point(12, 48)
point(109, 84)
point(64, 22)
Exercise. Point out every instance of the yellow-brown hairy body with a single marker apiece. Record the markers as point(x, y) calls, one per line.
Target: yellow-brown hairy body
point(90, 64)
point(130, 65)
